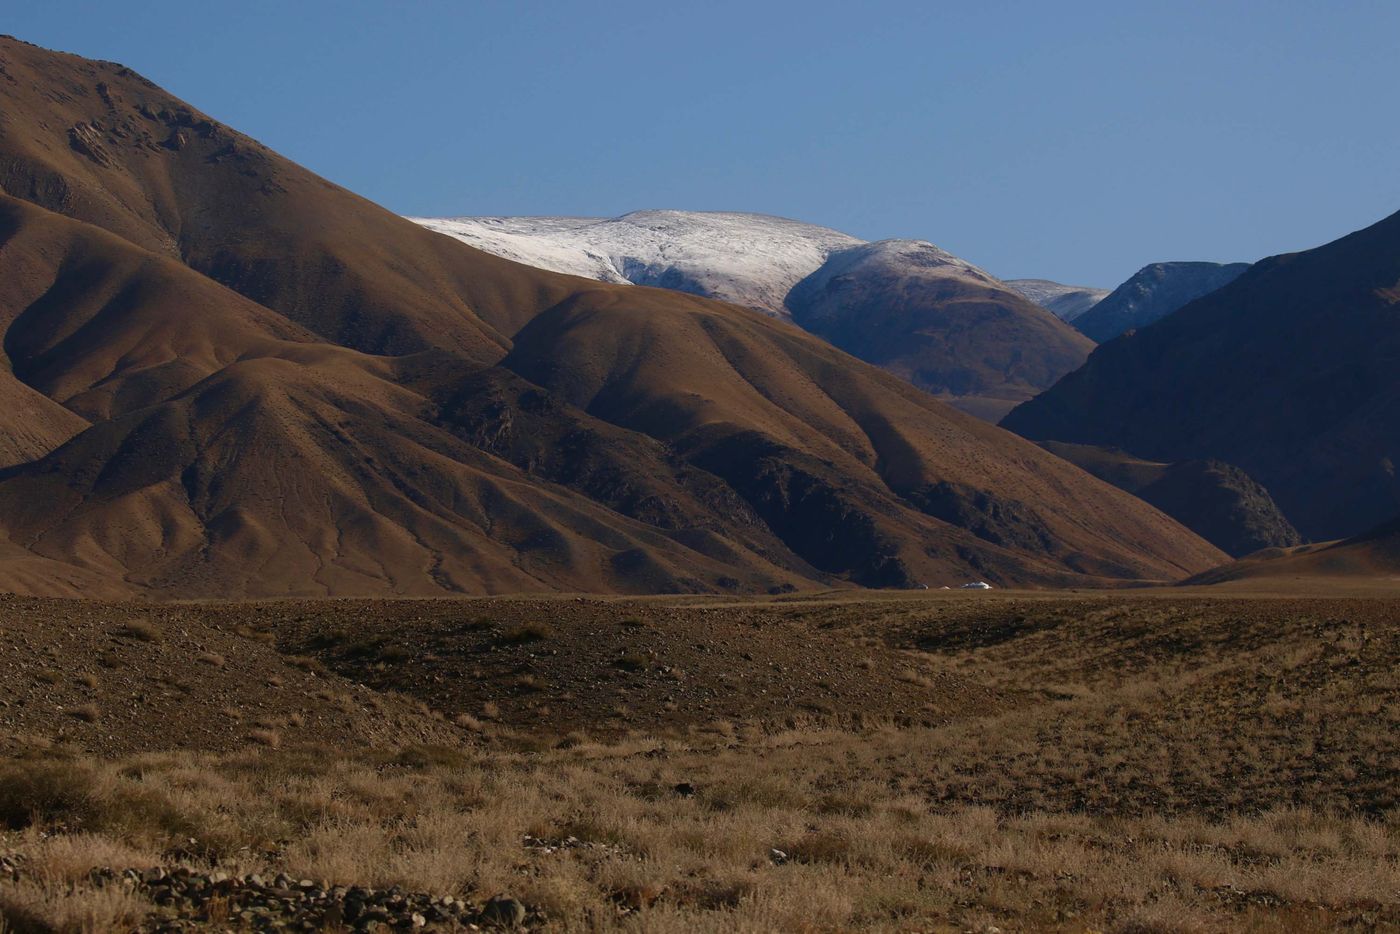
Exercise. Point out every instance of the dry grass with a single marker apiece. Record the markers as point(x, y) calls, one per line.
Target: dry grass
point(140, 629)
point(467, 721)
point(255, 634)
point(1157, 767)
point(307, 664)
point(61, 899)
point(528, 631)
point(859, 853)
point(88, 713)
point(264, 737)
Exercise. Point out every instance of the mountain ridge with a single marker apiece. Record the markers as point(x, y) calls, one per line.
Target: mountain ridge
point(288, 391)
point(907, 306)
point(1291, 372)
point(1153, 292)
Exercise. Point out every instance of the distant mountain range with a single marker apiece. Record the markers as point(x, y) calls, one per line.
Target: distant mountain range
point(228, 377)
point(907, 306)
point(1066, 302)
point(752, 260)
point(917, 311)
point(1152, 293)
point(1291, 372)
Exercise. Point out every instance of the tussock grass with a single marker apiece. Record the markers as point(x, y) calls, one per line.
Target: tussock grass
point(859, 853)
point(1157, 766)
point(142, 630)
point(529, 631)
point(88, 713)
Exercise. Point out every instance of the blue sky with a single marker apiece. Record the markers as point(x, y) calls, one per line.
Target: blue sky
point(1075, 141)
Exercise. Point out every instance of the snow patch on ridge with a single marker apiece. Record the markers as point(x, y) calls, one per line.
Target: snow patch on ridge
point(1066, 302)
point(753, 260)
point(748, 259)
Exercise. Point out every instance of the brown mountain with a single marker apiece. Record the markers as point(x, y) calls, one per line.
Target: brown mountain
point(939, 322)
point(1291, 372)
point(980, 344)
point(1372, 555)
point(1217, 501)
point(245, 380)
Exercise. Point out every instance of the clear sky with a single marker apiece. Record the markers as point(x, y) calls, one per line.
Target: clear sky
point(1067, 140)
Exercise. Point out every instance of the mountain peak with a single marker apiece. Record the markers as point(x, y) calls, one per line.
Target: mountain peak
point(907, 305)
point(1153, 292)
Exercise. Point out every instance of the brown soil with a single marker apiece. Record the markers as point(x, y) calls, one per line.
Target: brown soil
point(397, 672)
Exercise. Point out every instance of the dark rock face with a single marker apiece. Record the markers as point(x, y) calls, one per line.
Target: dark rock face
point(1223, 505)
point(1153, 293)
point(1218, 501)
point(1291, 372)
point(989, 517)
point(822, 520)
point(85, 138)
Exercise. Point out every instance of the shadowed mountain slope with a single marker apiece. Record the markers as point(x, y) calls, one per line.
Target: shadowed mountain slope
point(233, 453)
point(253, 382)
point(1291, 372)
point(1217, 501)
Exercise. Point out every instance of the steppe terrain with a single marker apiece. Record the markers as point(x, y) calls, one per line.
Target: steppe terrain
point(1164, 760)
point(355, 579)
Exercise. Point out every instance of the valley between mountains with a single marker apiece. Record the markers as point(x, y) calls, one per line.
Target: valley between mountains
point(669, 572)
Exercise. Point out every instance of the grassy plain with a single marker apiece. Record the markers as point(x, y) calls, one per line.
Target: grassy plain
point(1155, 761)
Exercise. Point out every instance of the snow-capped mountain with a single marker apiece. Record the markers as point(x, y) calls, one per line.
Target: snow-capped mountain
point(916, 310)
point(749, 259)
point(1065, 302)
